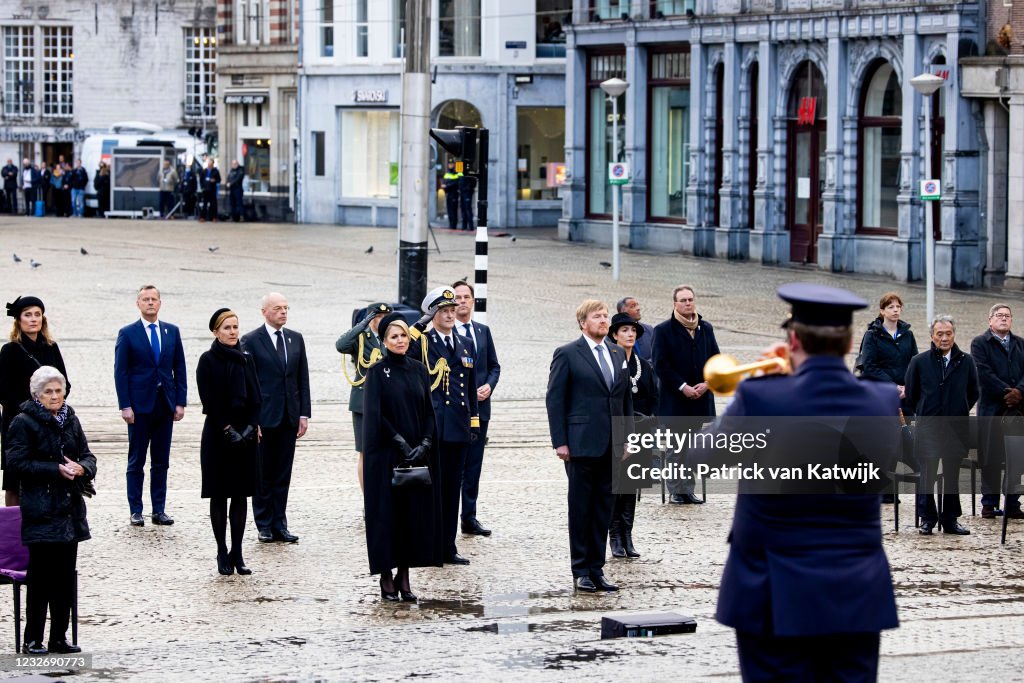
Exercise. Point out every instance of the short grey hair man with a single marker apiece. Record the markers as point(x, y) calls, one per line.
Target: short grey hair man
point(943, 319)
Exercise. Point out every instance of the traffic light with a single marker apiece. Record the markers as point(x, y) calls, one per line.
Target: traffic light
point(462, 144)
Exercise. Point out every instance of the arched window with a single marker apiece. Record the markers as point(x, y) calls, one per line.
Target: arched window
point(878, 171)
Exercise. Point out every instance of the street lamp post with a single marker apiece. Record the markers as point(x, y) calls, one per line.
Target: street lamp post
point(614, 87)
point(927, 84)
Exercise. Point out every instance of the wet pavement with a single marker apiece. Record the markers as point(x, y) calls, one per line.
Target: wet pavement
point(154, 608)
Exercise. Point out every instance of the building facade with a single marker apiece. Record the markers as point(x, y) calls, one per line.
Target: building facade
point(257, 100)
point(496, 64)
point(780, 131)
point(72, 67)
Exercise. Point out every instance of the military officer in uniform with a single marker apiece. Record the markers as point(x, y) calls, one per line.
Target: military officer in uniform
point(363, 344)
point(807, 584)
point(452, 183)
point(450, 362)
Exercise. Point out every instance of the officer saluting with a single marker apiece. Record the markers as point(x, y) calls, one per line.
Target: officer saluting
point(449, 360)
point(807, 585)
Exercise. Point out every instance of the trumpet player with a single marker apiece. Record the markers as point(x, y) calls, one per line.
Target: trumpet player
point(807, 584)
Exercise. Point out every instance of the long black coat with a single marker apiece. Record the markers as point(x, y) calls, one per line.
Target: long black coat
point(230, 392)
point(680, 358)
point(942, 400)
point(403, 525)
point(52, 507)
point(883, 358)
point(998, 370)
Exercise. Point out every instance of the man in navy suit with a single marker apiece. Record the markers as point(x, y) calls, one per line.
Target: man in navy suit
point(478, 338)
point(280, 357)
point(450, 362)
point(587, 389)
point(149, 374)
point(807, 585)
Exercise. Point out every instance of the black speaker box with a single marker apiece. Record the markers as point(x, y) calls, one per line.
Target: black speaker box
point(645, 624)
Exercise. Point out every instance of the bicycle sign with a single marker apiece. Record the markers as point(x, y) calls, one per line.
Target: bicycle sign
point(618, 173)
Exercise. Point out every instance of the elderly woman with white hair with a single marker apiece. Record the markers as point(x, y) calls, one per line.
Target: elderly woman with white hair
point(48, 451)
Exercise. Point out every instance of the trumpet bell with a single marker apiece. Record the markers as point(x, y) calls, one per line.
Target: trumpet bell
point(723, 373)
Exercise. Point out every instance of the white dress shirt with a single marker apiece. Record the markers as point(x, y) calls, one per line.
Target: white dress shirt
point(159, 335)
point(273, 339)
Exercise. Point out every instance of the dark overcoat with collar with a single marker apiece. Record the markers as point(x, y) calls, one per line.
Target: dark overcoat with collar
point(680, 358)
point(580, 405)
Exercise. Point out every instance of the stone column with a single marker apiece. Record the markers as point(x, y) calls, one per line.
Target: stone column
point(731, 237)
point(769, 242)
point(908, 246)
point(835, 244)
point(634, 193)
point(574, 193)
point(696, 198)
point(997, 135)
point(1015, 203)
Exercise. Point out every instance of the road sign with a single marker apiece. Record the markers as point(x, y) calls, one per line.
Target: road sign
point(618, 173)
point(931, 189)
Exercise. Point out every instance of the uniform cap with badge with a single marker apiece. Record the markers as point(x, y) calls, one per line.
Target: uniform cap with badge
point(438, 298)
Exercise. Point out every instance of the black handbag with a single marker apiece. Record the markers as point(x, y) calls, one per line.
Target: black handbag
point(408, 474)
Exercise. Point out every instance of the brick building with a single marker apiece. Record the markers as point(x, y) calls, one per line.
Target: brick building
point(75, 66)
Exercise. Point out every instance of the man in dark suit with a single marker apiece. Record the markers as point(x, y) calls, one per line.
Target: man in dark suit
point(450, 362)
point(478, 337)
point(588, 387)
point(280, 357)
point(149, 375)
point(999, 357)
point(682, 345)
point(807, 585)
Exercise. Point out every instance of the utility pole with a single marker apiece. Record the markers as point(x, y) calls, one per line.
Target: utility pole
point(414, 174)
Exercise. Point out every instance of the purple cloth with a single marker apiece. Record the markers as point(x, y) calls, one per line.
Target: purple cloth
point(13, 554)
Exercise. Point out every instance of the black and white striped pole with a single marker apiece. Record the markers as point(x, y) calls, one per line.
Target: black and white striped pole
point(470, 146)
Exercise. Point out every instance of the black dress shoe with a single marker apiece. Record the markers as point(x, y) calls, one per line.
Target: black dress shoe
point(265, 536)
point(691, 499)
point(63, 647)
point(603, 583)
point(455, 558)
point(408, 596)
point(583, 583)
point(926, 528)
point(474, 528)
point(137, 519)
point(162, 519)
point(224, 565)
point(388, 592)
point(34, 647)
point(956, 529)
point(1014, 514)
point(285, 536)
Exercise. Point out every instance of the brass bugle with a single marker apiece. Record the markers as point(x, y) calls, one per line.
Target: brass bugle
point(723, 373)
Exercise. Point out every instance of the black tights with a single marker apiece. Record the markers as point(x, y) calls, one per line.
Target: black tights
point(219, 519)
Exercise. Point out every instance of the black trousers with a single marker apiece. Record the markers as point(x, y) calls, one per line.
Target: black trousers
point(950, 488)
point(235, 201)
point(12, 200)
point(274, 477)
point(453, 460)
point(209, 205)
point(166, 203)
point(471, 474)
point(51, 584)
point(590, 512)
point(467, 213)
point(452, 206)
point(850, 657)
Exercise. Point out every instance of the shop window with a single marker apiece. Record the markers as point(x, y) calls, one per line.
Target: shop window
point(458, 28)
point(256, 160)
point(601, 149)
point(668, 135)
point(19, 68)
point(540, 162)
point(552, 18)
point(879, 155)
point(369, 153)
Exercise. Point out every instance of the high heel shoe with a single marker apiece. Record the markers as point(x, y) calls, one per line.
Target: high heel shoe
point(239, 564)
point(402, 581)
point(385, 594)
point(408, 596)
point(224, 565)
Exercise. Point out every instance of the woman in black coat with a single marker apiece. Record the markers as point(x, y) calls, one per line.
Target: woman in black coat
point(230, 393)
point(48, 451)
point(644, 386)
point(402, 523)
point(887, 347)
point(101, 183)
point(30, 347)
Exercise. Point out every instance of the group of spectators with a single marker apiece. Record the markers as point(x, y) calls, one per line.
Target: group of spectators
point(60, 186)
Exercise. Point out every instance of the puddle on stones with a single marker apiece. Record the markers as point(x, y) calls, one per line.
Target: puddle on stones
point(507, 628)
point(496, 605)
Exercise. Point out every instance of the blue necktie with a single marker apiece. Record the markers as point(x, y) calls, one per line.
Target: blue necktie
point(154, 341)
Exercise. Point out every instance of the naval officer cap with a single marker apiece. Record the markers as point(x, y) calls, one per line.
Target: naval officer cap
point(820, 305)
point(438, 298)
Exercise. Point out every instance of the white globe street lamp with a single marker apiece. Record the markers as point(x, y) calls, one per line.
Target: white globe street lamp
point(927, 84)
point(613, 88)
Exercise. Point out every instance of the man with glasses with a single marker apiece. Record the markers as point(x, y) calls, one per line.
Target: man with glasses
point(999, 356)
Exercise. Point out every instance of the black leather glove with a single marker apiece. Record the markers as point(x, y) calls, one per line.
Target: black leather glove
point(403, 446)
point(419, 454)
point(232, 436)
point(249, 433)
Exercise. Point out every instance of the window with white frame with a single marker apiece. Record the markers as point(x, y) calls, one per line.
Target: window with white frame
point(326, 28)
point(19, 65)
point(458, 28)
point(362, 29)
point(251, 15)
point(200, 74)
point(58, 82)
point(398, 28)
point(369, 153)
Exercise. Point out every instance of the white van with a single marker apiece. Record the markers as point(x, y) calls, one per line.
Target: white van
point(97, 147)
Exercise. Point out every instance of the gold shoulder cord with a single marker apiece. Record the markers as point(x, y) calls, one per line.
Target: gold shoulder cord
point(440, 371)
point(375, 355)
